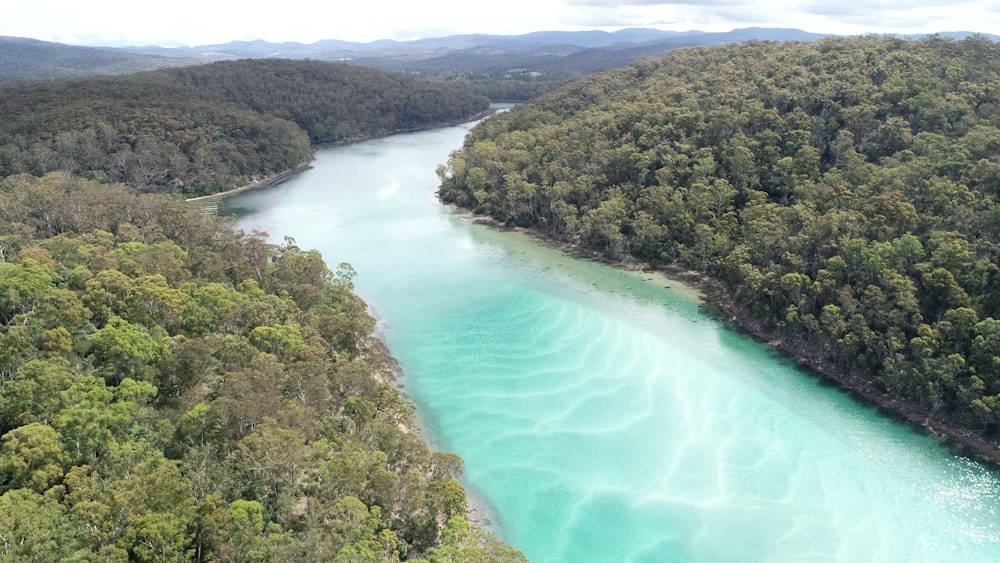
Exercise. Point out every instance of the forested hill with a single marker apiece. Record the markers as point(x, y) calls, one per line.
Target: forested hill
point(846, 191)
point(30, 59)
point(171, 390)
point(207, 128)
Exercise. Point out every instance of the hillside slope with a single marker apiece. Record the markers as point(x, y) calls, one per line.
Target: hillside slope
point(172, 390)
point(30, 59)
point(547, 59)
point(845, 192)
point(207, 128)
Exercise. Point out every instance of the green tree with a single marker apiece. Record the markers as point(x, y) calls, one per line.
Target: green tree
point(22, 286)
point(284, 341)
point(32, 457)
point(35, 527)
point(124, 349)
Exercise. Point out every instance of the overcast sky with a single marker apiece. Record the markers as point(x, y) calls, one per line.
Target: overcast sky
point(199, 22)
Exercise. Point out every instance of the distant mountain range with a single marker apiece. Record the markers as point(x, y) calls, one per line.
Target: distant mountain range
point(566, 52)
point(541, 42)
point(30, 59)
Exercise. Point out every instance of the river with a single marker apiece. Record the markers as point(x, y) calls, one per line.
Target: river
point(603, 415)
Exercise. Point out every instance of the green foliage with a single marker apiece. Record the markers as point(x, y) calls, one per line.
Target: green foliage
point(171, 390)
point(206, 128)
point(844, 190)
point(35, 527)
point(284, 341)
point(461, 543)
point(22, 286)
point(32, 457)
point(124, 348)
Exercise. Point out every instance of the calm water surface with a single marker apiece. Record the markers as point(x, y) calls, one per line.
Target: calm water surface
point(602, 416)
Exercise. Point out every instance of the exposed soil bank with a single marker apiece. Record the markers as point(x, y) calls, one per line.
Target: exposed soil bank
point(964, 441)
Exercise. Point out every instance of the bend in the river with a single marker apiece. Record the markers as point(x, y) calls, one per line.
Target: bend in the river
point(604, 417)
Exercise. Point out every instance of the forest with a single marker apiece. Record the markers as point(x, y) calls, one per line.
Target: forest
point(174, 390)
point(204, 129)
point(541, 61)
point(844, 192)
point(30, 59)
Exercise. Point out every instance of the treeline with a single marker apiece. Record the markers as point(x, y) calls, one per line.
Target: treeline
point(514, 76)
point(173, 390)
point(515, 88)
point(846, 191)
point(207, 128)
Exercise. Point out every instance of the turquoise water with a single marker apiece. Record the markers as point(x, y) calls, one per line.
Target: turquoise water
point(603, 416)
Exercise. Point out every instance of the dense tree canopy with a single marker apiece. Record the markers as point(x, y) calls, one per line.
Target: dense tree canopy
point(173, 390)
point(845, 190)
point(206, 128)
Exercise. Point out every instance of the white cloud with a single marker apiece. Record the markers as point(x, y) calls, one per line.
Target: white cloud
point(615, 3)
point(216, 21)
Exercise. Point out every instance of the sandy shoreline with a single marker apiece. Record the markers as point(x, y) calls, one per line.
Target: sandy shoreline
point(963, 441)
point(272, 180)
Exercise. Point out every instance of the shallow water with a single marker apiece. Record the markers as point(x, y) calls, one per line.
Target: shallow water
point(603, 416)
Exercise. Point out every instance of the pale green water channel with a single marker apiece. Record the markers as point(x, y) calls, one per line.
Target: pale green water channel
point(603, 417)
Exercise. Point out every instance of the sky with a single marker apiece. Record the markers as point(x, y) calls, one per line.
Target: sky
point(202, 22)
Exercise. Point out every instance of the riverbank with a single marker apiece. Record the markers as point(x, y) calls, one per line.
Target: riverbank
point(963, 441)
point(717, 295)
point(280, 177)
point(266, 182)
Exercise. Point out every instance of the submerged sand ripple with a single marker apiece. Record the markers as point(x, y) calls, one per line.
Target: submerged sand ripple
point(604, 418)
